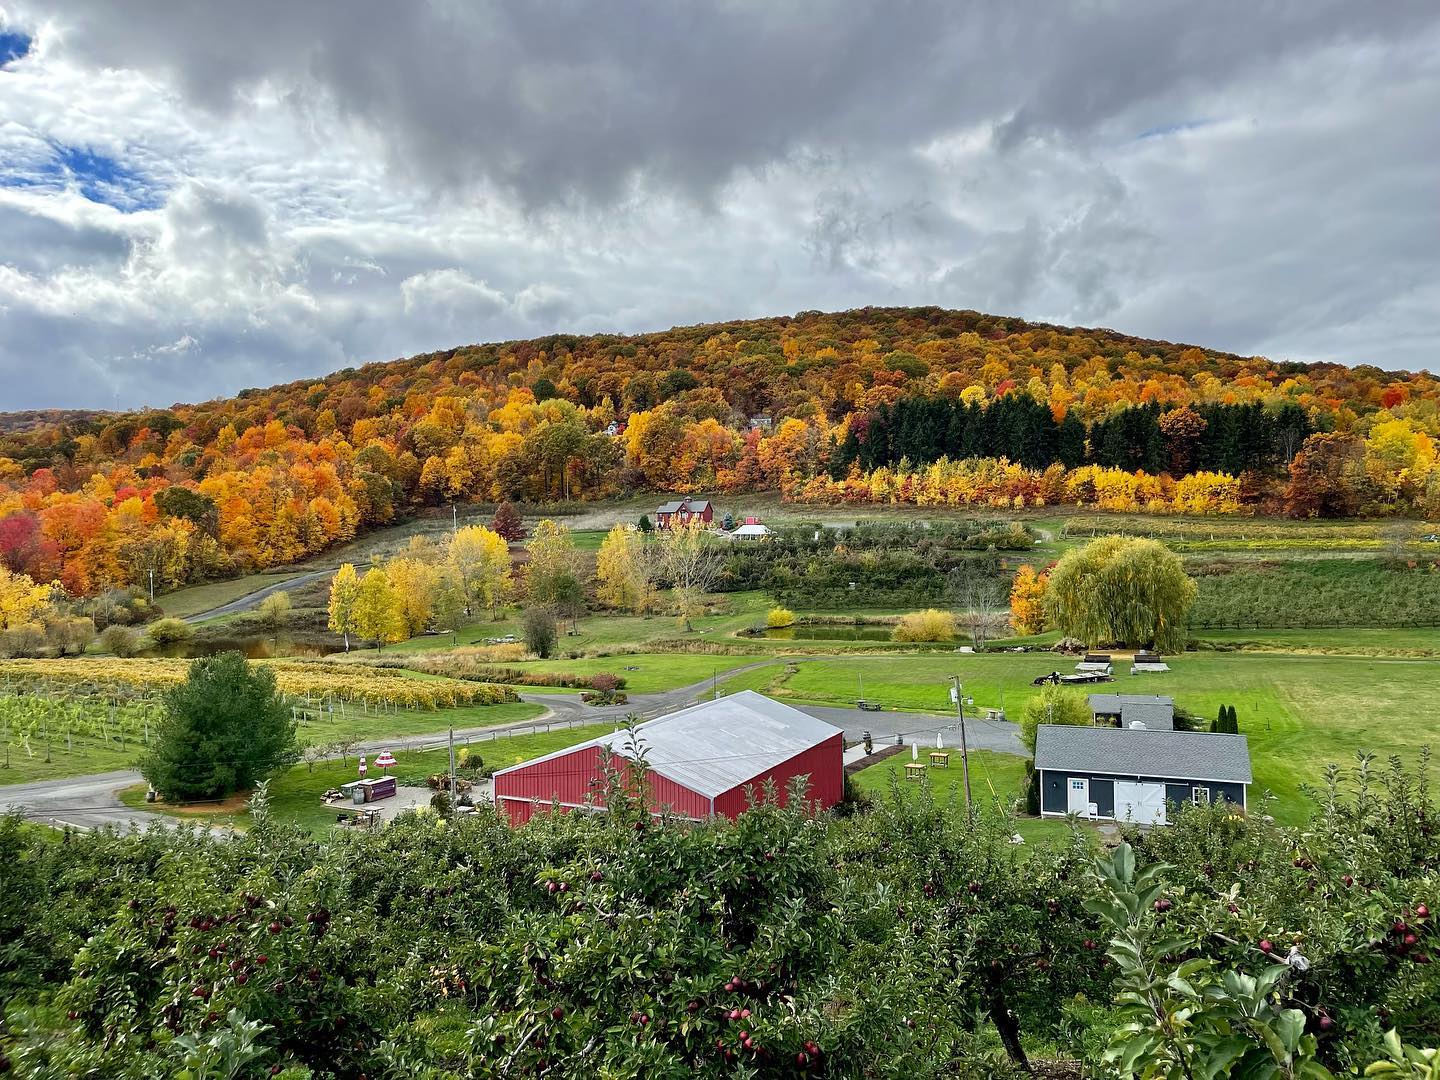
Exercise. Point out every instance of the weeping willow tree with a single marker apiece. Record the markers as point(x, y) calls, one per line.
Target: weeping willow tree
point(1121, 591)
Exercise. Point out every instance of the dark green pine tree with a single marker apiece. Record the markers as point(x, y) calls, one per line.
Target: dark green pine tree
point(225, 729)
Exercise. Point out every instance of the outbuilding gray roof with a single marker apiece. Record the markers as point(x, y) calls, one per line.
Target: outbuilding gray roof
point(1177, 755)
point(671, 507)
point(1111, 703)
point(716, 745)
point(1152, 710)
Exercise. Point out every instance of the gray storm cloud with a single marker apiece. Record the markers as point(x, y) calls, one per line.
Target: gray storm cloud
point(347, 181)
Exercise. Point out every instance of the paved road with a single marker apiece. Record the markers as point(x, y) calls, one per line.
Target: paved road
point(250, 600)
point(87, 802)
point(92, 801)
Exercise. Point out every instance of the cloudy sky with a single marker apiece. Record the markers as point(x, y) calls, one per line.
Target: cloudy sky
point(201, 196)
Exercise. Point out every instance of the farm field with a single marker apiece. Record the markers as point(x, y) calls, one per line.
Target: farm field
point(1300, 713)
point(1318, 593)
point(51, 755)
point(1353, 641)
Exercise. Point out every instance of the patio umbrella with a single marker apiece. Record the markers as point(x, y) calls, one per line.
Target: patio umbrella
point(385, 760)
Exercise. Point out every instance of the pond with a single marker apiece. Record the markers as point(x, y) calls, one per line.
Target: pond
point(829, 633)
point(252, 647)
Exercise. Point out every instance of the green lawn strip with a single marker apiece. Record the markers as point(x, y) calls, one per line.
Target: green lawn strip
point(87, 757)
point(194, 599)
point(1362, 641)
point(1300, 713)
point(295, 792)
point(996, 780)
point(376, 726)
point(655, 671)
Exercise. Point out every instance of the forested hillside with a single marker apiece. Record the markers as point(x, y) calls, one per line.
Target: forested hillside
point(916, 405)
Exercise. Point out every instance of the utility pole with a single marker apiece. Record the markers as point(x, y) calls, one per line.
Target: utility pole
point(152, 585)
point(454, 518)
point(452, 770)
point(957, 693)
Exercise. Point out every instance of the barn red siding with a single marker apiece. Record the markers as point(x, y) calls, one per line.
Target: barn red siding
point(824, 764)
point(574, 778)
point(665, 792)
point(569, 777)
point(566, 778)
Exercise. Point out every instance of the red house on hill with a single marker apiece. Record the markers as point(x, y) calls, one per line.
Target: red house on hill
point(701, 761)
point(684, 510)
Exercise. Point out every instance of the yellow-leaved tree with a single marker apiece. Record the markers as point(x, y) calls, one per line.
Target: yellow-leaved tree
point(22, 602)
point(413, 581)
point(623, 571)
point(480, 560)
point(552, 560)
point(377, 610)
point(1027, 601)
point(344, 592)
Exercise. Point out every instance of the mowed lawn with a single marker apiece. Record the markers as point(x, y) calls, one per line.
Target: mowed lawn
point(194, 599)
point(996, 781)
point(1300, 713)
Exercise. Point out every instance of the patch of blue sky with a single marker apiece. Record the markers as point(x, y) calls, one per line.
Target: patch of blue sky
point(1160, 131)
point(13, 46)
point(97, 176)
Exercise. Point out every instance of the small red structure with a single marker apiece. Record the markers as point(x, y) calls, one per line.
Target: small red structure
point(682, 511)
point(701, 759)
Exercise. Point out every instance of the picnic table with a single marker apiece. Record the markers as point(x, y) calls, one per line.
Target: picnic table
point(914, 770)
point(939, 759)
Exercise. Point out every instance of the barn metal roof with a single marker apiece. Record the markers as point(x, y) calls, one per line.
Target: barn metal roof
point(1178, 755)
point(716, 745)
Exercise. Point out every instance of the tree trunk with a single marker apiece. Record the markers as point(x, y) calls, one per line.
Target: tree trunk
point(1005, 1023)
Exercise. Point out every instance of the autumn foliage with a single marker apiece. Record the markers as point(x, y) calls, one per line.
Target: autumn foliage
point(922, 406)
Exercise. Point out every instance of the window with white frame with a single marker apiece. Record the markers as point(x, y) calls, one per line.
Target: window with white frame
point(1200, 796)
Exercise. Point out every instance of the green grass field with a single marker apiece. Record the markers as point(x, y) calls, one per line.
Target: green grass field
point(654, 671)
point(1300, 713)
point(996, 781)
point(295, 793)
point(194, 599)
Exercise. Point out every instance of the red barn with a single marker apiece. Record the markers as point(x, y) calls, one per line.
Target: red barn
point(683, 511)
point(701, 761)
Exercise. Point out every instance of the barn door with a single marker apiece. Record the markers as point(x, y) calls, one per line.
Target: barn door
point(1143, 804)
point(1079, 796)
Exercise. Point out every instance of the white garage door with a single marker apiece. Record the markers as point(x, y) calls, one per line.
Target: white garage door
point(1143, 804)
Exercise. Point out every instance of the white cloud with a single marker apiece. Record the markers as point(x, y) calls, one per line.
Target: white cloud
point(318, 191)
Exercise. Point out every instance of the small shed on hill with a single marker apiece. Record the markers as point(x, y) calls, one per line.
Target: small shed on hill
point(1126, 710)
point(701, 760)
point(1136, 774)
